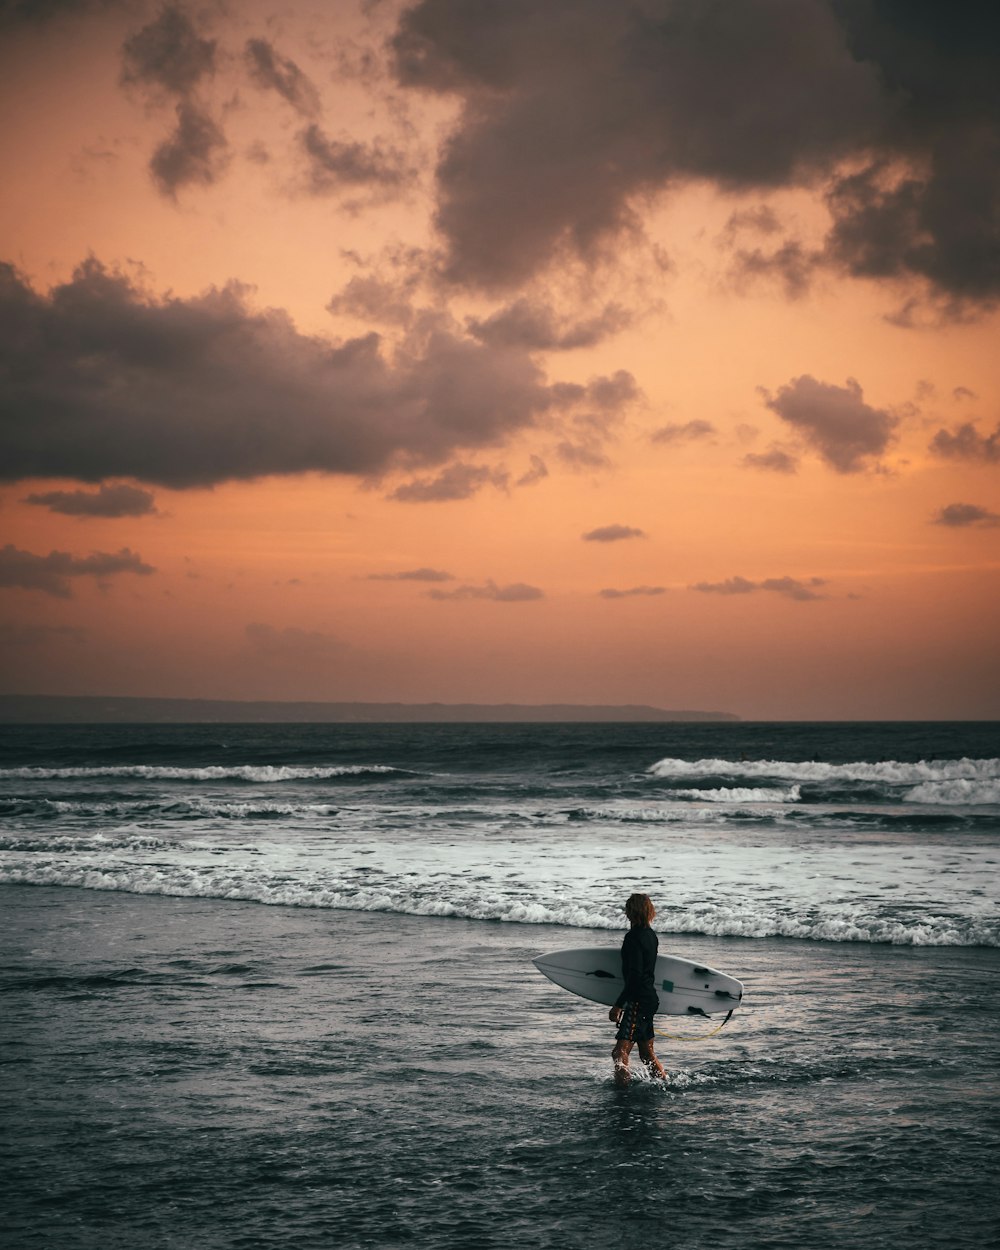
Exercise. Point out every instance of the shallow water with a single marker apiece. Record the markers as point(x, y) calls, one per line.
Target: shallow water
point(183, 1072)
point(272, 985)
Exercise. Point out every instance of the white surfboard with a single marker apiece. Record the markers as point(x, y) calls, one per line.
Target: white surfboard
point(683, 988)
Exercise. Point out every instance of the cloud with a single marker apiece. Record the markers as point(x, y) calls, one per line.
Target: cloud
point(272, 71)
point(791, 263)
point(963, 392)
point(557, 137)
point(39, 12)
point(775, 460)
point(535, 326)
point(335, 164)
point(793, 588)
point(109, 501)
point(688, 432)
point(195, 154)
point(790, 587)
point(891, 105)
point(612, 534)
point(611, 593)
point(516, 592)
point(168, 56)
point(413, 575)
point(966, 443)
point(168, 53)
point(535, 473)
point(292, 646)
point(52, 573)
point(835, 420)
point(13, 634)
point(457, 481)
point(101, 379)
point(962, 515)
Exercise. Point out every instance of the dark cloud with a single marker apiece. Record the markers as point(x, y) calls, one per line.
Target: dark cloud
point(609, 394)
point(731, 586)
point(457, 481)
point(109, 501)
point(195, 154)
point(966, 443)
point(40, 12)
point(336, 165)
point(169, 56)
point(790, 587)
point(100, 379)
point(760, 219)
point(13, 634)
point(537, 471)
point(572, 110)
point(963, 392)
point(848, 433)
point(272, 71)
point(775, 461)
point(793, 588)
point(962, 515)
point(612, 534)
point(611, 593)
point(792, 264)
point(535, 326)
point(293, 646)
point(516, 592)
point(369, 297)
point(686, 433)
point(558, 133)
point(168, 53)
point(413, 575)
point(52, 573)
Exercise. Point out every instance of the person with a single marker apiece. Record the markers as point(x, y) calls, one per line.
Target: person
point(637, 1003)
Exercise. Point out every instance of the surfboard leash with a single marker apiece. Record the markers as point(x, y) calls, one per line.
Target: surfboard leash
point(678, 1037)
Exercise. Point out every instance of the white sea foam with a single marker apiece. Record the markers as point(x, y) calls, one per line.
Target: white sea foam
point(264, 773)
point(891, 772)
point(739, 794)
point(482, 898)
point(958, 792)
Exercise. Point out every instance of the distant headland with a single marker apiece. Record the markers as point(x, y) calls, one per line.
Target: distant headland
point(96, 710)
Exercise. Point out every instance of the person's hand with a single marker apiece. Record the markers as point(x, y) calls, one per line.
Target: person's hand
point(615, 1014)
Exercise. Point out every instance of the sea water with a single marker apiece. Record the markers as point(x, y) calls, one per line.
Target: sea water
point(271, 985)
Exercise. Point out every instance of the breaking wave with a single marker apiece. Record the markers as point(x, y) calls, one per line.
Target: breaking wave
point(462, 899)
point(266, 774)
point(964, 781)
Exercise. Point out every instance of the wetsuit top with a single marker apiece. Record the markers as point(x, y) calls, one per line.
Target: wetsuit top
point(638, 963)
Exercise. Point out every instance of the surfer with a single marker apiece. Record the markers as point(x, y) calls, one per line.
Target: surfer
point(637, 1003)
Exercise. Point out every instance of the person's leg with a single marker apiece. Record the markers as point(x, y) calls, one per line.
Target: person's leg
point(648, 1057)
point(620, 1055)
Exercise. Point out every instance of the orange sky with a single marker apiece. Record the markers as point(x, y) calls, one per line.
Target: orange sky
point(860, 582)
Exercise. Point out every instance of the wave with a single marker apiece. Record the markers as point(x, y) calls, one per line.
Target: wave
point(263, 773)
point(748, 920)
point(968, 781)
point(959, 792)
point(740, 794)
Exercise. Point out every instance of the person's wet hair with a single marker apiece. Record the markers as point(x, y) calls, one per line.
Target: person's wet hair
point(639, 909)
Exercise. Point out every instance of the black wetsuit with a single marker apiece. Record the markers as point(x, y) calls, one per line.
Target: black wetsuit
point(638, 999)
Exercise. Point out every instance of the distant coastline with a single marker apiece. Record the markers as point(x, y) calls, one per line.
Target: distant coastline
point(98, 710)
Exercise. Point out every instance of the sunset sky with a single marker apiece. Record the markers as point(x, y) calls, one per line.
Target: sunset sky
point(503, 351)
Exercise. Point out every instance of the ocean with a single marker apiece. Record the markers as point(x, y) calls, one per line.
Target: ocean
point(271, 985)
